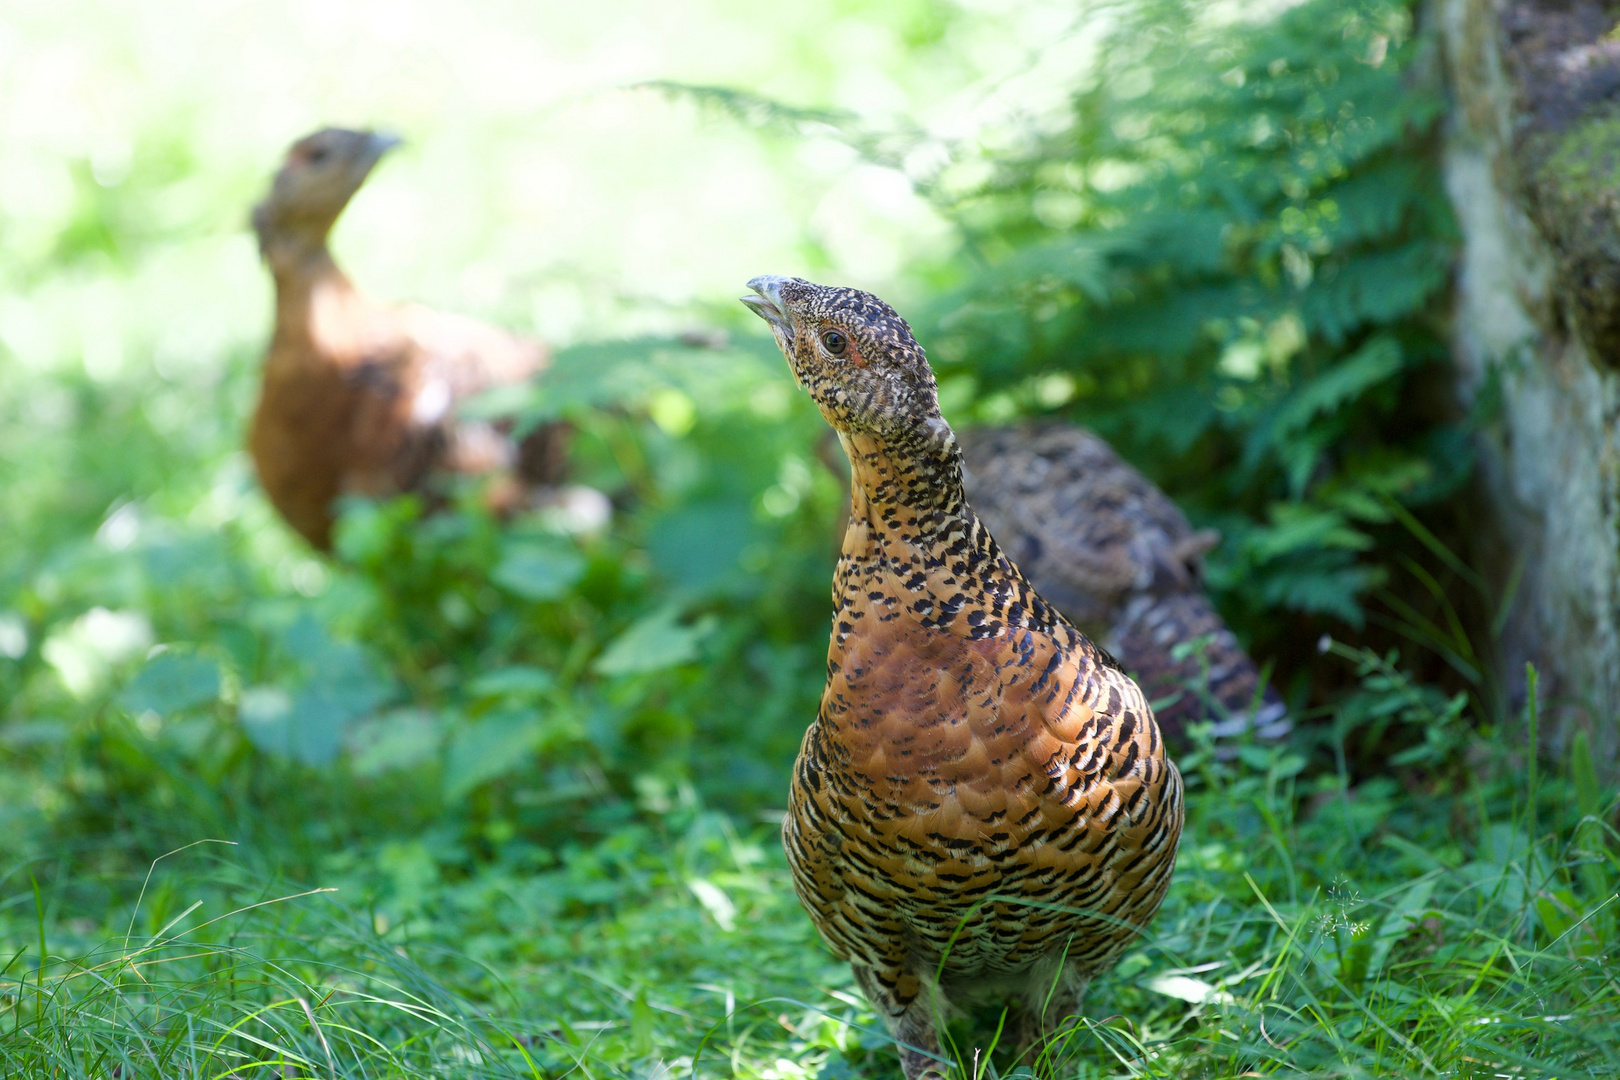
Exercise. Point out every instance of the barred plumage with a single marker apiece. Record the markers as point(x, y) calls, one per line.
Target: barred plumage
point(984, 794)
point(1119, 559)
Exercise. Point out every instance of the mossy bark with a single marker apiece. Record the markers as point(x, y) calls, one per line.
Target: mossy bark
point(1533, 164)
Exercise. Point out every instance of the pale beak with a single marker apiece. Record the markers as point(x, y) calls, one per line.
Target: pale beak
point(768, 306)
point(379, 143)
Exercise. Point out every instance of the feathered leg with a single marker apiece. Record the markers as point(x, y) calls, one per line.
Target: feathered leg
point(906, 1004)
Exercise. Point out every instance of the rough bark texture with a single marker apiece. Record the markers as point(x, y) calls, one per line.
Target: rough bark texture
point(1533, 165)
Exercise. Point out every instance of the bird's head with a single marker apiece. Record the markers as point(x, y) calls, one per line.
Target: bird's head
point(856, 357)
point(317, 179)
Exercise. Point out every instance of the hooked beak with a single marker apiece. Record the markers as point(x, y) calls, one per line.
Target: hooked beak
point(768, 306)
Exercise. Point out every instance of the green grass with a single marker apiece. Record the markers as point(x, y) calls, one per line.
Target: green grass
point(481, 800)
point(1312, 930)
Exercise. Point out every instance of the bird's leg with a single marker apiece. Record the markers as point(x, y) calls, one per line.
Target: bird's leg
point(1028, 1037)
point(1050, 1003)
point(906, 1005)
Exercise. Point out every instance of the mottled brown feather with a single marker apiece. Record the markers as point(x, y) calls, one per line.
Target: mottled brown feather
point(1120, 560)
point(983, 805)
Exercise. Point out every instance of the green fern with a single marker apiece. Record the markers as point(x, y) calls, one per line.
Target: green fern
point(1243, 281)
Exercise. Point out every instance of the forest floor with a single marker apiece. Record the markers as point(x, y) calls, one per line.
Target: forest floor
point(1312, 930)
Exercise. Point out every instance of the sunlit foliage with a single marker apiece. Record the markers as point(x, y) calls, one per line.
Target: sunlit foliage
point(537, 760)
point(1230, 259)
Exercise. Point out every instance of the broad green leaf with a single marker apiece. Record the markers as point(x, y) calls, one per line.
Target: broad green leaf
point(171, 683)
point(519, 680)
point(264, 712)
point(308, 726)
point(537, 572)
point(485, 749)
point(698, 546)
point(306, 639)
point(316, 725)
point(394, 740)
point(652, 644)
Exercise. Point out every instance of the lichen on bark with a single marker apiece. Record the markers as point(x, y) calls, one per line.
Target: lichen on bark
point(1576, 189)
point(1533, 166)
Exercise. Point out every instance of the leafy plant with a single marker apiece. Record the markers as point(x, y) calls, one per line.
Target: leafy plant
point(500, 791)
point(1229, 259)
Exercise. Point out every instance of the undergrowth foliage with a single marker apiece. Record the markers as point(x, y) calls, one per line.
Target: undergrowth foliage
point(483, 798)
point(1315, 929)
point(529, 676)
point(1230, 260)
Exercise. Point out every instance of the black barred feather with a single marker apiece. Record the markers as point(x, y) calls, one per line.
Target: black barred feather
point(1121, 561)
point(983, 807)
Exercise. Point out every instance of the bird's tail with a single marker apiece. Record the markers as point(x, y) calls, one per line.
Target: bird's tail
point(1189, 663)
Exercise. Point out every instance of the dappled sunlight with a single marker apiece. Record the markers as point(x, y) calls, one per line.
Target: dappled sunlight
point(496, 787)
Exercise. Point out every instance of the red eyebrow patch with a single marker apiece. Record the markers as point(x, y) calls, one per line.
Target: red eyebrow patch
point(855, 356)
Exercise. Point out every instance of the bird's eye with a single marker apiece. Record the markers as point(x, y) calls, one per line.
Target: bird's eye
point(836, 342)
point(317, 155)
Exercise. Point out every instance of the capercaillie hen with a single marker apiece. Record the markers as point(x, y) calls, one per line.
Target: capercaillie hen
point(359, 397)
point(983, 806)
point(1120, 560)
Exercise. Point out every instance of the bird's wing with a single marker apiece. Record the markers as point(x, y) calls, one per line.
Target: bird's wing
point(398, 428)
point(469, 356)
point(1212, 677)
point(462, 358)
point(411, 378)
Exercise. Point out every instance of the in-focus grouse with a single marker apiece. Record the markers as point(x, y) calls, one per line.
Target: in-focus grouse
point(359, 397)
point(1110, 550)
point(983, 806)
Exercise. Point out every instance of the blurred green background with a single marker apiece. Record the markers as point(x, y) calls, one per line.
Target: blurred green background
point(541, 769)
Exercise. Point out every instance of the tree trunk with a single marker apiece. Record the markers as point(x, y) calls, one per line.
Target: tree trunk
point(1532, 162)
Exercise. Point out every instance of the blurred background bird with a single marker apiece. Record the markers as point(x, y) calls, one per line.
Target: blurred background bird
point(361, 397)
point(1113, 553)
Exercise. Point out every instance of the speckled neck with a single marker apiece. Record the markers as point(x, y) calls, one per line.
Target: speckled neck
point(916, 474)
point(915, 547)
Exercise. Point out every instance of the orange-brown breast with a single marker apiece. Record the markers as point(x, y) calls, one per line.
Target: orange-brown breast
point(334, 402)
point(358, 397)
point(299, 442)
point(1019, 776)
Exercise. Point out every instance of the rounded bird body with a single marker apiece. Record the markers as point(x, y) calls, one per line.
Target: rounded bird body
point(983, 804)
point(358, 396)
